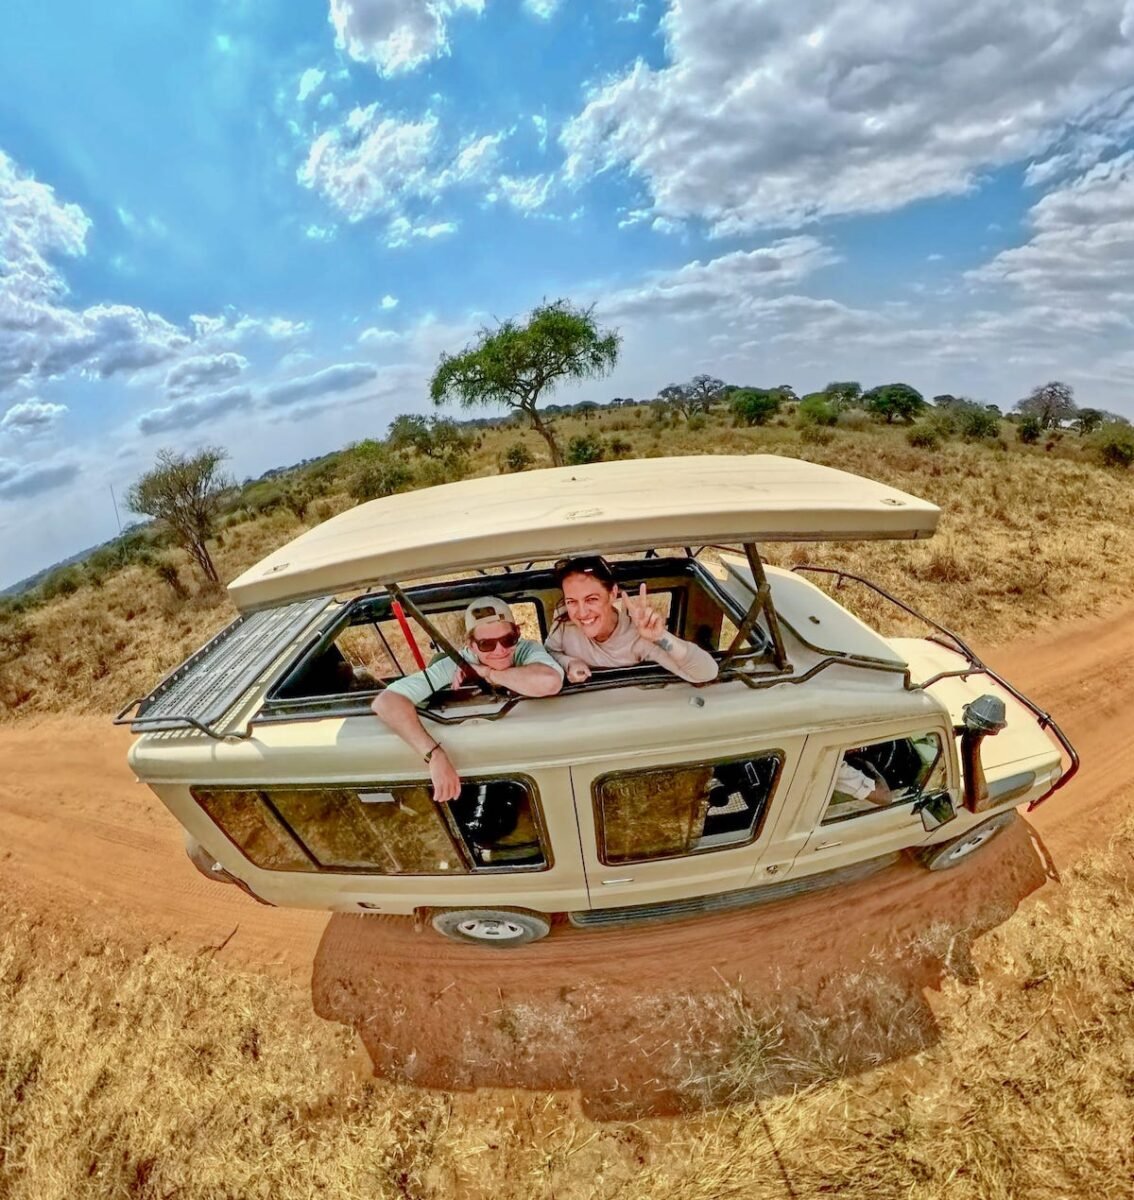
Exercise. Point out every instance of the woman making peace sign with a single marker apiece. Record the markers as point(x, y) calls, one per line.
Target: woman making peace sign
point(600, 634)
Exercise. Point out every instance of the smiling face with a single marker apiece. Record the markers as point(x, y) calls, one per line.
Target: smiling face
point(489, 633)
point(590, 606)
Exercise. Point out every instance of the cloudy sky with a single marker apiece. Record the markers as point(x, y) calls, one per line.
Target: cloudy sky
point(257, 223)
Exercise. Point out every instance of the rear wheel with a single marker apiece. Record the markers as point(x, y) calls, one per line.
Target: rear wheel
point(502, 928)
point(952, 854)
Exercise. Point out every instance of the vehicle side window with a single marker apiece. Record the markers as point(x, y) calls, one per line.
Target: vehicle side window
point(382, 829)
point(666, 812)
point(884, 774)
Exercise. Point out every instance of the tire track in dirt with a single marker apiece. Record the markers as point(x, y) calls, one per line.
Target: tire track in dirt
point(612, 1013)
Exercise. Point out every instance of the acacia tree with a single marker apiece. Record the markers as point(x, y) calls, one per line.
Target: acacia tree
point(516, 364)
point(892, 400)
point(1051, 404)
point(431, 437)
point(706, 390)
point(184, 493)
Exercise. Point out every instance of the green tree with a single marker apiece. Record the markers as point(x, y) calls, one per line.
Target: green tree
point(1029, 430)
point(974, 421)
point(1051, 404)
point(431, 437)
point(844, 394)
point(1114, 445)
point(376, 471)
point(892, 400)
point(677, 398)
point(1087, 420)
point(517, 364)
point(517, 457)
point(184, 492)
point(706, 390)
point(815, 409)
point(754, 406)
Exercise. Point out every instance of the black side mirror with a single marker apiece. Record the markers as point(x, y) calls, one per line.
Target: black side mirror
point(936, 810)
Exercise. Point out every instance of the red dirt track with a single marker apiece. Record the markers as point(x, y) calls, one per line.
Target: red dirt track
point(618, 1014)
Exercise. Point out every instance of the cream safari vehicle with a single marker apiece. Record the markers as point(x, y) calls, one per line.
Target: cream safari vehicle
point(630, 796)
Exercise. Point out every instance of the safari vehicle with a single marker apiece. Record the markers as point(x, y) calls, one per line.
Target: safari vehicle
point(633, 795)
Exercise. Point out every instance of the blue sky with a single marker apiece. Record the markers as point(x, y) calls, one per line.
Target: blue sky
point(258, 224)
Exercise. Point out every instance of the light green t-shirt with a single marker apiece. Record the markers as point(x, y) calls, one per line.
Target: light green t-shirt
point(419, 686)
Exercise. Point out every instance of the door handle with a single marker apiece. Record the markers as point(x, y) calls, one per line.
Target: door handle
point(826, 845)
point(615, 882)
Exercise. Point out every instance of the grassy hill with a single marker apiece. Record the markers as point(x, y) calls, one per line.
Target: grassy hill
point(1030, 534)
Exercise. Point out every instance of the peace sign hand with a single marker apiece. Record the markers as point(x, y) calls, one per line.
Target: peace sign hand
point(647, 620)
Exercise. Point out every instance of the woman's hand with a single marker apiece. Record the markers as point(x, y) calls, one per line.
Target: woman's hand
point(577, 671)
point(647, 620)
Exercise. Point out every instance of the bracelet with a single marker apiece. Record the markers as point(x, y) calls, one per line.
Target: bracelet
point(433, 750)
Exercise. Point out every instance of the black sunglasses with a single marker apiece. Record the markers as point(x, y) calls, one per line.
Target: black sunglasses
point(593, 564)
point(506, 641)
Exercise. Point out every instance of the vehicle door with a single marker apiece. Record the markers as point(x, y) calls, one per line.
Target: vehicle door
point(679, 827)
point(865, 796)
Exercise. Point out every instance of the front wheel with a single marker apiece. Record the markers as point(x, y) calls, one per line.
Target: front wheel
point(501, 928)
point(952, 854)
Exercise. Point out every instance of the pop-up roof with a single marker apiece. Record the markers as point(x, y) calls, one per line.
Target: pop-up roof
point(600, 507)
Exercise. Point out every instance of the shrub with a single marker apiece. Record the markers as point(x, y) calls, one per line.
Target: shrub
point(167, 573)
point(587, 448)
point(977, 422)
point(323, 510)
point(924, 437)
point(815, 409)
point(1029, 430)
point(620, 448)
point(754, 406)
point(1114, 445)
point(816, 435)
point(516, 457)
point(696, 423)
point(63, 582)
point(15, 635)
point(376, 471)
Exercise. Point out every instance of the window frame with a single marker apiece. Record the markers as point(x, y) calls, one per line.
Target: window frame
point(778, 754)
point(448, 823)
point(911, 798)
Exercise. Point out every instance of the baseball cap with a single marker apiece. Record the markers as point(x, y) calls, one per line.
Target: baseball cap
point(485, 609)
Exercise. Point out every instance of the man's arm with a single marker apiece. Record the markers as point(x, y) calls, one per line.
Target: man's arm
point(532, 679)
point(400, 714)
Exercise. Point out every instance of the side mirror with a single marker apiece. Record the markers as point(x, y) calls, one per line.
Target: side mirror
point(936, 810)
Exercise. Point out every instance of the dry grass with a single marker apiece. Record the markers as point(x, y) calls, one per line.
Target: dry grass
point(1027, 538)
point(144, 1074)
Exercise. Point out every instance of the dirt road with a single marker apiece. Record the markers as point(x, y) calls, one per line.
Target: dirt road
point(78, 835)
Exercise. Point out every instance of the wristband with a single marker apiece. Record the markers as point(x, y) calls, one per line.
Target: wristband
point(433, 750)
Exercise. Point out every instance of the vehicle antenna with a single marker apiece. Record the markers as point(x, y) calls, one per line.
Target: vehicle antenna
point(116, 516)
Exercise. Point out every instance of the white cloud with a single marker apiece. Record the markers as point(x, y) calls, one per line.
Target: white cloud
point(525, 193)
point(780, 114)
point(1082, 246)
point(32, 416)
point(201, 370)
point(727, 285)
point(373, 165)
point(402, 231)
point(31, 479)
point(540, 124)
point(230, 329)
point(395, 35)
point(309, 83)
point(319, 233)
point(388, 302)
point(188, 414)
point(379, 337)
point(543, 9)
point(330, 380)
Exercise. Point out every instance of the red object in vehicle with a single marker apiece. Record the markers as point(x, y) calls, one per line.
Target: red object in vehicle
point(400, 613)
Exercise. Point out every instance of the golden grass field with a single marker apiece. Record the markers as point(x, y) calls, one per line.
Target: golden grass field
point(141, 1072)
point(152, 1074)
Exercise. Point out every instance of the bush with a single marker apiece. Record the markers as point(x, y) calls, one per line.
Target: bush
point(815, 409)
point(167, 573)
point(1029, 430)
point(376, 471)
point(620, 448)
point(450, 468)
point(696, 423)
point(66, 581)
point(976, 422)
point(1114, 446)
point(15, 635)
point(516, 457)
point(587, 448)
point(754, 406)
point(816, 435)
point(924, 437)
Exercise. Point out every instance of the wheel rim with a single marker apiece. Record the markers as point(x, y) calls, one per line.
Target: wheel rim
point(971, 844)
point(491, 929)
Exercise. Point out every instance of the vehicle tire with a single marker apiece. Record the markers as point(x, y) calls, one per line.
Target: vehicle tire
point(951, 854)
point(500, 928)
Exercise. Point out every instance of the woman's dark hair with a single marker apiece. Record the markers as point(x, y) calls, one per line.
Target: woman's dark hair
point(588, 564)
